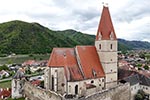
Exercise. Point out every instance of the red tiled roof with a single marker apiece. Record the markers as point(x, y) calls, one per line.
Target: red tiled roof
point(105, 26)
point(65, 57)
point(89, 86)
point(28, 62)
point(90, 62)
point(36, 82)
point(5, 93)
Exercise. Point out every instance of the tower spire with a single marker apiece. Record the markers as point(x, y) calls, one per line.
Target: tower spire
point(105, 28)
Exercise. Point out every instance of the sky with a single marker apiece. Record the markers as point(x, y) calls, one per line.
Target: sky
point(131, 18)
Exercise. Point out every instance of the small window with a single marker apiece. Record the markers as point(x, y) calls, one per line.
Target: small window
point(110, 46)
point(146, 88)
point(111, 70)
point(63, 84)
point(99, 84)
point(92, 81)
point(99, 46)
point(102, 80)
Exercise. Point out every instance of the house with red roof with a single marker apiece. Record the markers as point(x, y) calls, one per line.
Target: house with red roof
point(5, 93)
point(84, 70)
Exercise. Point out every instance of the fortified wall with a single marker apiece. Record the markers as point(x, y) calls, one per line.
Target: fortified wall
point(35, 93)
point(120, 92)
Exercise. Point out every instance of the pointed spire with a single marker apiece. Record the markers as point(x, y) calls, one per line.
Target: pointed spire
point(106, 26)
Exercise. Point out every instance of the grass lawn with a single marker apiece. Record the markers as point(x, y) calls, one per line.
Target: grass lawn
point(21, 58)
point(6, 84)
point(16, 99)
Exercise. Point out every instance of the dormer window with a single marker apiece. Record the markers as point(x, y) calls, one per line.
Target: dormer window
point(111, 36)
point(100, 36)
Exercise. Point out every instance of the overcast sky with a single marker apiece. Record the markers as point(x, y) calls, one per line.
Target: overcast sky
point(131, 18)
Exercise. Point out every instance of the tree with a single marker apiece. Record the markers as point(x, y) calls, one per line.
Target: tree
point(138, 97)
point(146, 67)
point(4, 67)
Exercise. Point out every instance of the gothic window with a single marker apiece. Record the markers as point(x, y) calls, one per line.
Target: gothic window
point(52, 82)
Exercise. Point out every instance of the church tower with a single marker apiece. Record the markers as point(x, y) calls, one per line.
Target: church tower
point(106, 45)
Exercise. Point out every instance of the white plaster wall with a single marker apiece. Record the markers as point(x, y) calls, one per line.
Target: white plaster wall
point(47, 78)
point(59, 79)
point(110, 67)
point(111, 77)
point(15, 89)
point(146, 89)
point(99, 83)
point(108, 56)
point(105, 45)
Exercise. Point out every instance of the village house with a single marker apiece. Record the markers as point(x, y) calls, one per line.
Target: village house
point(84, 70)
point(3, 74)
point(5, 93)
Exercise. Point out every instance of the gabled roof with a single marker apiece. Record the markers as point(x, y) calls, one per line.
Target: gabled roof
point(105, 29)
point(90, 62)
point(87, 66)
point(134, 79)
point(66, 57)
point(5, 93)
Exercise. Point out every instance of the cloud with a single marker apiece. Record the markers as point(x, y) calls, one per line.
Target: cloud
point(131, 18)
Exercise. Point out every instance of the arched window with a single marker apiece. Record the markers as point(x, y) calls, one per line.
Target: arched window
point(111, 46)
point(76, 89)
point(52, 82)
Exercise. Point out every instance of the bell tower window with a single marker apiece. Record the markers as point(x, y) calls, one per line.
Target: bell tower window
point(100, 46)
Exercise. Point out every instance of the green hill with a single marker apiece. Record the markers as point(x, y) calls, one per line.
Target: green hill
point(24, 38)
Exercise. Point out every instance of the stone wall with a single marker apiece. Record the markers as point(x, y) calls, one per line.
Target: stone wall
point(35, 93)
point(121, 92)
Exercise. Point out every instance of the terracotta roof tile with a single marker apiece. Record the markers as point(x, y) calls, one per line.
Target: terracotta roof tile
point(105, 27)
point(5, 93)
point(36, 82)
point(66, 57)
point(90, 62)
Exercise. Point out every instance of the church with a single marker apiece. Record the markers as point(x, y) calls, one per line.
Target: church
point(84, 70)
